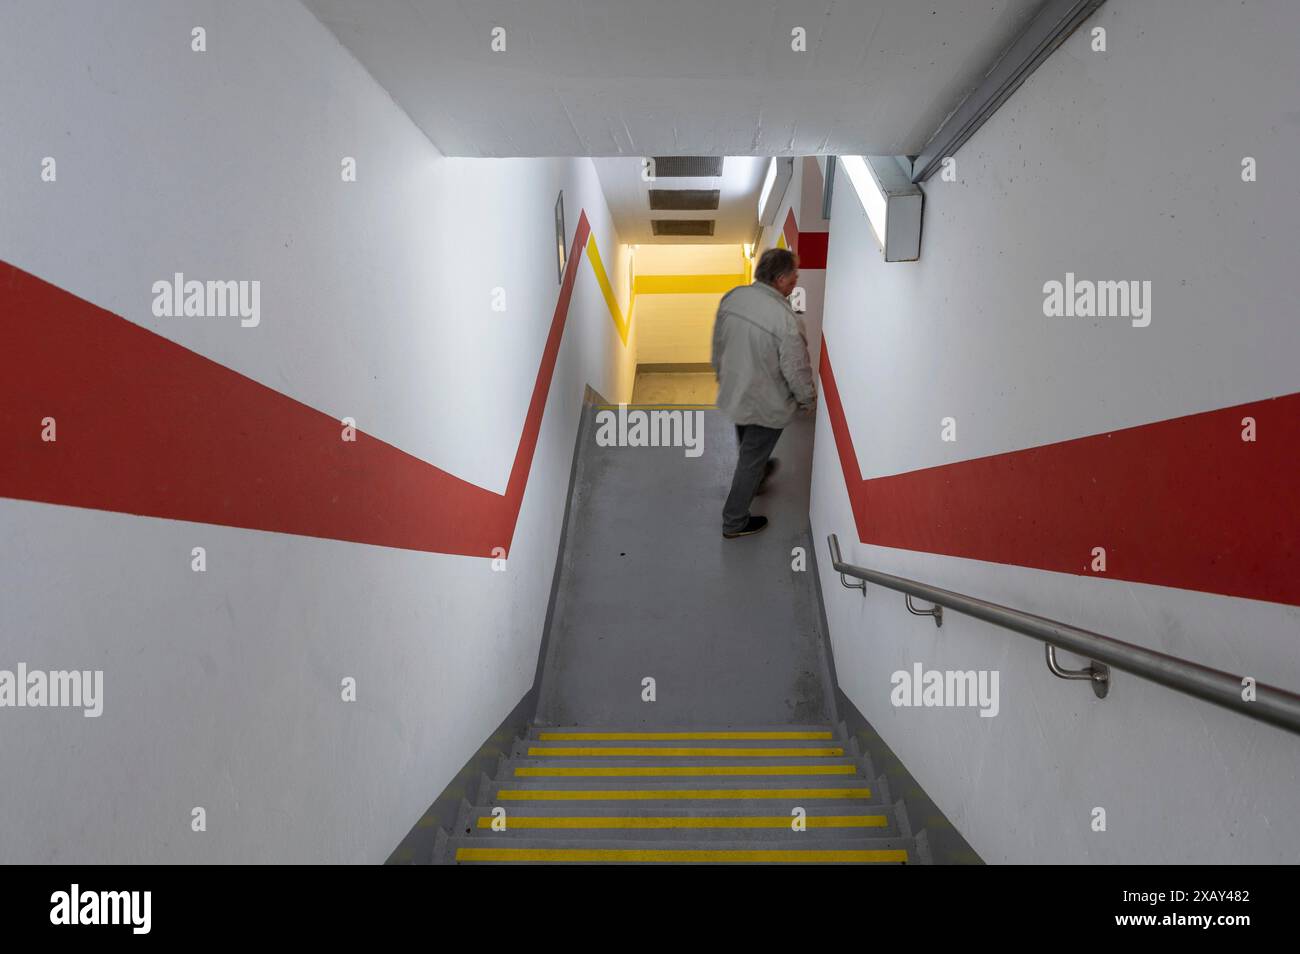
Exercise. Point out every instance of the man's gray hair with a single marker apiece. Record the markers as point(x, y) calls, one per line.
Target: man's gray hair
point(774, 263)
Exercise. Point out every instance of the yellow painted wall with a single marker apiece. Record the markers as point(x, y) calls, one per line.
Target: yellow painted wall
point(677, 292)
point(688, 259)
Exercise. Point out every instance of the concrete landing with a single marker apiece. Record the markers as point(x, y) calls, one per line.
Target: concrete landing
point(677, 387)
point(648, 587)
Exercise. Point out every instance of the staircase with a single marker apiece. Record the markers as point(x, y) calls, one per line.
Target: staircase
point(680, 795)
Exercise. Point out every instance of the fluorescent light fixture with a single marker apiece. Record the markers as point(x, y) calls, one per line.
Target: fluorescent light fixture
point(769, 180)
point(779, 173)
point(892, 203)
point(869, 194)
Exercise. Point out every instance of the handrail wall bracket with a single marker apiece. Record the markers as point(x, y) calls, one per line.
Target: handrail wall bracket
point(936, 611)
point(835, 558)
point(860, 585)
point(1098, 674)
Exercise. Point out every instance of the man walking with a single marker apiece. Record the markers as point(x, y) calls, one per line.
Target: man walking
point(764, 377)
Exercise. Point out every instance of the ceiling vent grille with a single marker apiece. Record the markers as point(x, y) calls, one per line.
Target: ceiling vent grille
point(677, 167)
point(683, 200)
point(682, 226)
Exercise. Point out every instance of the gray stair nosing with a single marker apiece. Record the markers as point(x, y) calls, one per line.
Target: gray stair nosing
point(901, 818)
point(442, 854)
point(924, 855)
point(464, 815)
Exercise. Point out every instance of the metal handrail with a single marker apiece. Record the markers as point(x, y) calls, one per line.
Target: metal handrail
point(1269, 704)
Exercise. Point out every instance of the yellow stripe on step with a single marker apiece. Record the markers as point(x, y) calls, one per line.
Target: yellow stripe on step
point(614, 771)
point(645, 794)
point(678, 856)
point(774, 736)
point(695, 821)
point(579, 752)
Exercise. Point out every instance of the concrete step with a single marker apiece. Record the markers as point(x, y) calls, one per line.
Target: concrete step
point(665, 806)
point(716, 733)
point(670, 808)
point(839, 767)
point(657, 749)
point(777, 790)
point(673, 821)
point(843, 850)
point(670, 783)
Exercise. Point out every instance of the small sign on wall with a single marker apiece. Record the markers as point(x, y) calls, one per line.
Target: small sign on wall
point(559, 237)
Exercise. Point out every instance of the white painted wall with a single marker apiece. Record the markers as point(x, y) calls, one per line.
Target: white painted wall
point(222, 689)
point(1120, 165)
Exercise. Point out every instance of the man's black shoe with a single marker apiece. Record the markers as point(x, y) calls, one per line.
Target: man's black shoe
point(755, 524)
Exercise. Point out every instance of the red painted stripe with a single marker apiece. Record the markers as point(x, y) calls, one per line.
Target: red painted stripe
point(1183, 503)
point(809, 246)
point(812, 249)
point(148, 427)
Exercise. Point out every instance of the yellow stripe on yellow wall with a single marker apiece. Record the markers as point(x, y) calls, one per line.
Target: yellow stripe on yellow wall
point(677, 855)
point(687, 284)
point(611, 300)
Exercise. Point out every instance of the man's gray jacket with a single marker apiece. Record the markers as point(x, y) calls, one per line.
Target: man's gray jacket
point(761, 358)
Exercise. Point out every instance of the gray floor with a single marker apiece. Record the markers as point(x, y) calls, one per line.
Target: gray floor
point(649, 587)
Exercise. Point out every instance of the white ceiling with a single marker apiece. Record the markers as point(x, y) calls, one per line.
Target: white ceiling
point(676, 77)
